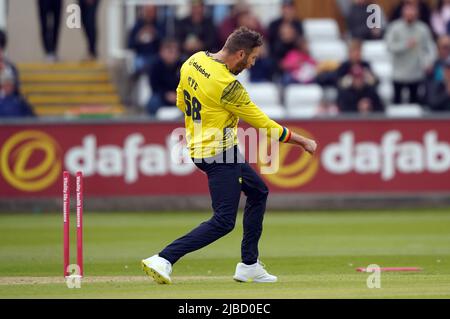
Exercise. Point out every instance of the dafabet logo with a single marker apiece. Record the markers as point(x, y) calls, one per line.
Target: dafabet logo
point(295, 167)
point(30, 160)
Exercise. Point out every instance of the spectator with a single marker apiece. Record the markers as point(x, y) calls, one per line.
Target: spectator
point(241, 16)
point(229, 24)
point(50, 17)
point(298, 66)
point(357, 84)
point(441, 18)
point(164, 76)
point(343, 73)
point(144, 39)
point(439, 99)
point(197, 31)
point(89, 20)
point(6, 63)
point(219, 12)
point(327, 108)
point(287, 41)
point(249, 20)
point(355, 95)
point(288, 15)
point(423, 9)
point(344, 6)
point(357, 22)
point(11, 104)
point(264, 67)
point(437, 74)
point(413, 49)
point(328, 105)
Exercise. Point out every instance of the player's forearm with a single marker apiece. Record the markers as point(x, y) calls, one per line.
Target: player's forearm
point(256, 118)
point(297, 139)
point(307, 144)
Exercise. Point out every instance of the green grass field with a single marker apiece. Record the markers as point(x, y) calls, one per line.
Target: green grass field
point(314, 255)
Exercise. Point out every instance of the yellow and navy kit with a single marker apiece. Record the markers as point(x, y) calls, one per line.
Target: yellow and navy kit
point(213, 101)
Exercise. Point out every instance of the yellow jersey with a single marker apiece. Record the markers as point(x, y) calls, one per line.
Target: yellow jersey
point(213, 101)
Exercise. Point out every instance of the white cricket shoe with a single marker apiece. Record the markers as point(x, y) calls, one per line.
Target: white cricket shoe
point(253, 273)
point(158, 268)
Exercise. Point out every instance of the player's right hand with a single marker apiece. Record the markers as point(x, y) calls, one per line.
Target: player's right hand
point(310, 146)
point(307, 144)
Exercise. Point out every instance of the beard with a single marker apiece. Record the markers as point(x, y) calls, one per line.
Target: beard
point(241, 66)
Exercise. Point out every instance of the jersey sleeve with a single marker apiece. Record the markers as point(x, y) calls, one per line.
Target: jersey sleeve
point(180, 98)
point(236, 100)
point(180, 94)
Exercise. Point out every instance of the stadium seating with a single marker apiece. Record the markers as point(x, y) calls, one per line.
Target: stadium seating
point(263, 94)
point(375, 51)
point(276, 112)
point(404, 110)
point(321, 30)
point(267, 97)
point(383, 70)
point(168, 113)
point(329, 51)
point(302, 101)
point(303, 112)
point(244, 77)
point(386, 91)
point(377, 54)
point(144, 91)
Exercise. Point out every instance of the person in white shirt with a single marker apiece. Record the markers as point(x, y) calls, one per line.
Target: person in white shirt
point(440, 18)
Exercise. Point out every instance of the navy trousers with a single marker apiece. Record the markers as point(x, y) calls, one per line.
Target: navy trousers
point(226, 181)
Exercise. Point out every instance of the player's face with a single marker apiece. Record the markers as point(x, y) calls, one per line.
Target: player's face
point(246, 61)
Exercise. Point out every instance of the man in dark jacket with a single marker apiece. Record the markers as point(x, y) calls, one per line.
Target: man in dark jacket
point(357, 84)
point(288, 15)
point(145, 38)
point(6, 63)
point(439, 99)
point(164, 77)
point(197, 32)
point(359, 97)
point(355, 59)
point(11, 104)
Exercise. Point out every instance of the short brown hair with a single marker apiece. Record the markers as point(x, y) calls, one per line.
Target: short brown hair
point(243, 39)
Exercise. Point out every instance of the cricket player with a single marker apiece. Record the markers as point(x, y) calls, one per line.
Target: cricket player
point(213, 101)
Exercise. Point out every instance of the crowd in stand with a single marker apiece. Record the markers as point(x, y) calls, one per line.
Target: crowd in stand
point(50, 12)
point(12, 103)
point(416, 36)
